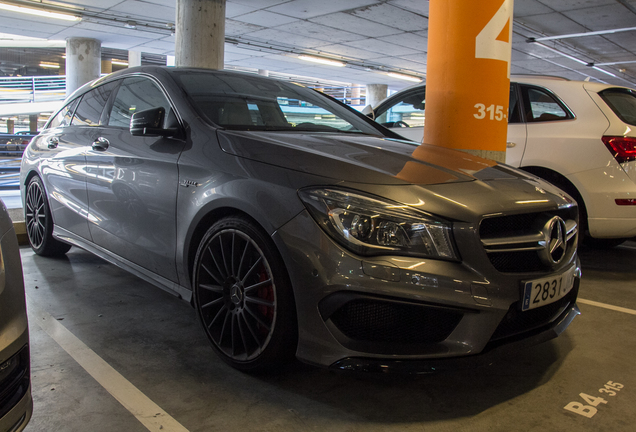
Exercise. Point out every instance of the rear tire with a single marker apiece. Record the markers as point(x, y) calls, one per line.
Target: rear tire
point(243, 296)
point(39, 223)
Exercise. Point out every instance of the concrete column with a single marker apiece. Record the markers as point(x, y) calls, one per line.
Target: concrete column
point(33, 123)
point(83, 62)
point(355, 95)
point(200, 33)
point(263, 72)
point(134, 58)
point(468, 75)
point(107, 66)
point(10, 126)
point(376, 93)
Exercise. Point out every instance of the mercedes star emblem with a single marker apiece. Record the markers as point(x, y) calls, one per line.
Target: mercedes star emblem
point(554, 233)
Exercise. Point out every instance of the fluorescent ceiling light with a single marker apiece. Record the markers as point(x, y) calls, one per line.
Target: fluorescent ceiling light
point(119, 62)
point(604, 71)
point(405, 77)
point(322, 60)
point(575, 35)
point(39, 12)
point(556, 51)
point(590, 64)
point(49, 65)
point(614, 63)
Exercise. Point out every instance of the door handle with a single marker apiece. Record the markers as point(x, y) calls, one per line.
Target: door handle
point(511, 144)
point(53, 142)
point(100, 144)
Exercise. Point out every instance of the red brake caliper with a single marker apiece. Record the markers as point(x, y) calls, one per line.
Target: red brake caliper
point(266, 292)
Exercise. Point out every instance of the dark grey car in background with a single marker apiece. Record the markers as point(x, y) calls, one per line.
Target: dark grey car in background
point(297, 226)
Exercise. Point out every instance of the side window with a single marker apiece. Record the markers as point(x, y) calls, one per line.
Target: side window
point(89, 110)
point(64, 116)
point(541, 105)
point(514, 113)
point(134, 95)
point(410, 110)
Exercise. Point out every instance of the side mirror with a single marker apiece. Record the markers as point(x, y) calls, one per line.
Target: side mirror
point(368, 111)
point(150, 123)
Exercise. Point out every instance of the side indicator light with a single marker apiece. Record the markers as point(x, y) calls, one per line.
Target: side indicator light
point(625, 201)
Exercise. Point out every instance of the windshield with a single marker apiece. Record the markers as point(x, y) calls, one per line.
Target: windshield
point(248, 102)
point(622, 102)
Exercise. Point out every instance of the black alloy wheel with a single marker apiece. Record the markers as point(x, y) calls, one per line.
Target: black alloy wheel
point(243, 296)
point(39, 223)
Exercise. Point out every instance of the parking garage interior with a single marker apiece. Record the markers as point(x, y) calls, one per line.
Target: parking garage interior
point(110, 351)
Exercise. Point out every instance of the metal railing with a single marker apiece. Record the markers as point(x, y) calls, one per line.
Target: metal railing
point(350, 95)
point(32, 89)
point(53, 88)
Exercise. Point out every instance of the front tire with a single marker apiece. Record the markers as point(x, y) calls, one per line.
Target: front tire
point(243, 296)
point(39, 223)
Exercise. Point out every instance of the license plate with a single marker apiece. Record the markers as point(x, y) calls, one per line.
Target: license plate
point(540, 292)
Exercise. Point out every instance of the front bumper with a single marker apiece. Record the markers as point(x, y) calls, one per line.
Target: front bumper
point(414, 313)
point(492, 351)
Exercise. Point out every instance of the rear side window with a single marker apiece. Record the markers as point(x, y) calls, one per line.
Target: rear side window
point(622, 102)
point(89, 110)
point(541, 105)
point(64, 116)
point(134, 95)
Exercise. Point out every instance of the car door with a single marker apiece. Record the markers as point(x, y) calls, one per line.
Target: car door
point(64, 169)
point(132, 194)
point(517, 128)
point(550, 126)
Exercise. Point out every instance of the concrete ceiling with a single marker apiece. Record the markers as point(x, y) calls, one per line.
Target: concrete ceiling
point(371, 36)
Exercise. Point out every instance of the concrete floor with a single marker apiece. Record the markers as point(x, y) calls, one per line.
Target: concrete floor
point(155, 342)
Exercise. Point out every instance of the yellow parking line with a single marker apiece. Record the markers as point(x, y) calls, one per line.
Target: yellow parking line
point(145, 410)
point(607, 306)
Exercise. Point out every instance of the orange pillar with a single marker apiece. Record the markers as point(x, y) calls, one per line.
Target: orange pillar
point(468, 75)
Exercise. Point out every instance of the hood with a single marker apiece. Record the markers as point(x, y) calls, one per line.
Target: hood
point(358, 158)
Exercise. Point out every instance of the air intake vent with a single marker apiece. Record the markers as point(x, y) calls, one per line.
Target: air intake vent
point(368, 320)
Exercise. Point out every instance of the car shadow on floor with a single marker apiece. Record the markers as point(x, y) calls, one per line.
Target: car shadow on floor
point(146, 334)
point(617, 261)
point(393, 398)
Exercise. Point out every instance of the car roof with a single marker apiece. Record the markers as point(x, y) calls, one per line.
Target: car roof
point(540, 80)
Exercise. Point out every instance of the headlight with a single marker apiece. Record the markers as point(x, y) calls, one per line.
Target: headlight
point(369, 226)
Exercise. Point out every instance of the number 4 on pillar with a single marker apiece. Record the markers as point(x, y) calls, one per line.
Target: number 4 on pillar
point(585, 410)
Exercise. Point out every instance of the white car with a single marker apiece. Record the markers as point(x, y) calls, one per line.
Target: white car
point(579, 135)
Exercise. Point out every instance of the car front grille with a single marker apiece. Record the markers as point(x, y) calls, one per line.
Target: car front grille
point(514, 243)
point(371, 320)
point(14, 380)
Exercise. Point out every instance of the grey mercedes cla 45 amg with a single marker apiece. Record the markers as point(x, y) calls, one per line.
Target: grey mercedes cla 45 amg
point(296, 226)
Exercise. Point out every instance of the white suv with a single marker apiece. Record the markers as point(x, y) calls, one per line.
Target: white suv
point(580, 136)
